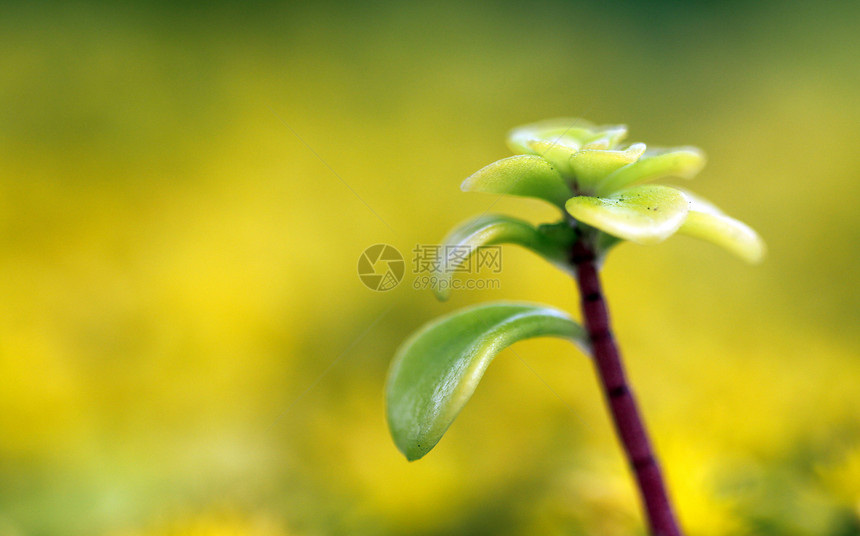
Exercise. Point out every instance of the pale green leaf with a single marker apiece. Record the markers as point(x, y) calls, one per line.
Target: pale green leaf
point(590, 166)
point(567, 131)
point(707, 222)
point(607, 137)
point(644, 214)
point(558, 153)
point(462, 243)
point(524, 175)
point(684, 162)
point(436, 371)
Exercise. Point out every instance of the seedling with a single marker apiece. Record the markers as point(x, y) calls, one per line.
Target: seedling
point(604, 193)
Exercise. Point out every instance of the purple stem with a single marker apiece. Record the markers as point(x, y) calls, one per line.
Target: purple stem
point(622, 404)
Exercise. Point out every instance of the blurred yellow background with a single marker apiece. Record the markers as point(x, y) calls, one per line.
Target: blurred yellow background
point(185, 190)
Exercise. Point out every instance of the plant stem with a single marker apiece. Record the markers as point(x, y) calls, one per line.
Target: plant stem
point(622, 404)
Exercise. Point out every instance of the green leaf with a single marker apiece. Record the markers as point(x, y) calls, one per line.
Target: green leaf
point(436, 371)
point(463, 242)
point(707, 222)
point(565, 130)
point(524, 175)
point(606, 137)
point(684, 162)
point(590, 166)
point(569, 131)
point(558, 153)
point(643, 214)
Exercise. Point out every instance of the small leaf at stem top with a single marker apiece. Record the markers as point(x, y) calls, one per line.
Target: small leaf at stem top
point(565, 130)
point(591, 165)
point(684, 162)
point(707, 222)
point(644, 214)
point(524, 175)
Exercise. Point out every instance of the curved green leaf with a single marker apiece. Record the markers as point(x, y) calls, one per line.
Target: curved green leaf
point(644, 214)
point(524, 175)
point(684, 162)
point(463, 242)
point(707, 222)
point(436, 371)
point(590, 166)
point(569, 131)
point(566, 130)
point(608, 137)
point(558, 153)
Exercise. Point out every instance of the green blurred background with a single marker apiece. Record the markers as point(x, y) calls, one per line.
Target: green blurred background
point(185, 346)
